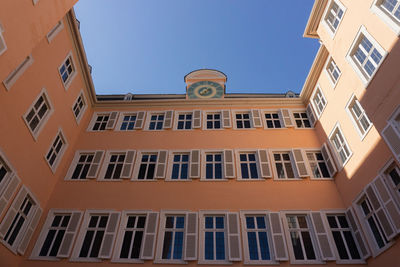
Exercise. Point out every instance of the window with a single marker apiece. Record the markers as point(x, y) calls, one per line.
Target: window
point(318, 101)
point(301, 240)
point(374, 225)
point(393, 173)
point(340, 145)
point(97, 235)
point(283, 165)
point(15, 74)
point(391, 133)
point(102, 121)
point(129, 121)
point(317, 164)
point(243, 120)
point(67, 71)
point(272, 120)
point(119, 164)
point(115, 165)
point(156, 122)
point(20, 221)
point(180, 166)
point(365, 55)
point(38, 114)
point(79, 107)
point(147, 167)
point(133, 227)
point(301, 120)
point(257, 239)
point(346, 247)
point(57, 236)
point(333, 71)
point(214, 166)
point(56, 151)
point(359, 117)
point(83, 166)
point(5, 173)
point(3, 46)
point(174, 227)
point(389, 12)
point(213, 120)
point(248, 165)
point(184, 121)
point(334, 16)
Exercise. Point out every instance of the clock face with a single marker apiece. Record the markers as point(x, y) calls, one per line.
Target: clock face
point(205, 89)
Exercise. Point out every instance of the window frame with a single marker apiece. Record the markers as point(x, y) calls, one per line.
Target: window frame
point(148, 120)
point(201, 237)
point(318, 112)
point(105, 163)
point(93, 120)
point(176, 119)
point(60, 154)
point(331, 78)
point(336, 212)
point(392, 188)
point(239, 170)
point(339, 162)
point(292, 161)
point(242, 111)
point(354, 101)
point(269, 111)
point(82, 110)
point(332, 33)
point(314, 241)
point(71, 76)
point(246, 256)
point(160, 236)
point(292, 111)
point(75, 161)
point(386, 16)
point(8, 176)
point(170, 162)
point(316, 150)
point(203, 163)
point(35, 133)
point(137, 163)
point(213, 112)
point(120, 120)
point(359, 70)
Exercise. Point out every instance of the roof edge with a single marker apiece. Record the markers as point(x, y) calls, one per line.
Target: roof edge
point(314, 19)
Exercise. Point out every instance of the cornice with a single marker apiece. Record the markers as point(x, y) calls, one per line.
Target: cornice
point(314, 19)
point(168, 103)
point(315, 72)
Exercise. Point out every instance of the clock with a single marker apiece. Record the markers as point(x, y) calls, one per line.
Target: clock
point(205, 89)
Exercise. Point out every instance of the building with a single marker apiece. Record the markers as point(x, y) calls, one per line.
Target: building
point(203, 177)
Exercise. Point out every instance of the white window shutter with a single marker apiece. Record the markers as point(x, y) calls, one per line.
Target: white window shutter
point(359, 236)
point(256, 118)
point(9, 191)
point(278, 237)
point(109, 235)
point(194, 163)
point(388, 202)
point(191, 235)
point(380, 212)
point(168, 119)
point(70, 234)
point(392, 138)
point(128, 164)
point(229, 166)
point(161, 164)
point(196, 119)
point(311, 115)
point(322, 237)
point(94, 167)
point(265, 167)
point(330, 163)
point(112, 120)
point(149, 238)
point(12, 211)
point(287, 119)
point(29, 231)
point(139, 120)
point(226, 118)
point(300, 162)
point(234, 244)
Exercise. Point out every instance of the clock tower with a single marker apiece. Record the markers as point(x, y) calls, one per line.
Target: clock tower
point(205, 84)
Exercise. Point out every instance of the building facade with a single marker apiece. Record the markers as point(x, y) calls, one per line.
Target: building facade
point(205, 177)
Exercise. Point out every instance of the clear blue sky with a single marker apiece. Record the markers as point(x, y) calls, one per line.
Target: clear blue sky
point(148, 46)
